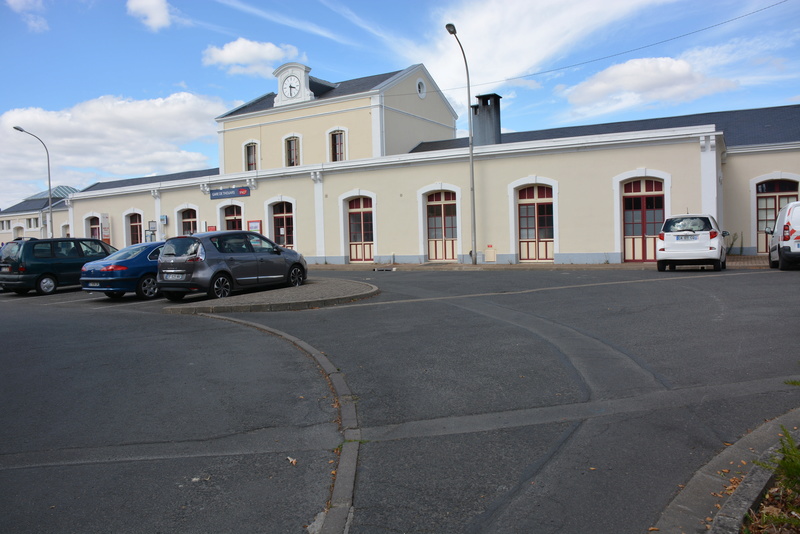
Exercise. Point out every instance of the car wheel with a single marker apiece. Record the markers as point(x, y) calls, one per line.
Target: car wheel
point(783, 265)
point(661, 266)
point(21, 291)
point(114, 294)
point(46, 285)
point(172, 296)
point(294, 278)
point(717, 265)
point(147, 288)
point(220, 287)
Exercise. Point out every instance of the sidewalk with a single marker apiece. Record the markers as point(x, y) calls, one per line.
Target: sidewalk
point(733, 262)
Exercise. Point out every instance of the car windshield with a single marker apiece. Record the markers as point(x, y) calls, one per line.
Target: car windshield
point(127, 253)
point(687, 224)
point(180, 246)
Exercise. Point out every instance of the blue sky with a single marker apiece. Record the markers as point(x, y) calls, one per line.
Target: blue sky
point(130, 88)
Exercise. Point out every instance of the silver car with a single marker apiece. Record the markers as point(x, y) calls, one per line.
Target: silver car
point(218, 263)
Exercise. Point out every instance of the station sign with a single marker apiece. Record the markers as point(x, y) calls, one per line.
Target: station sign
point(230, 192)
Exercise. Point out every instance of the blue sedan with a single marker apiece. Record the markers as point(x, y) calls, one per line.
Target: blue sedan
point(132, 269)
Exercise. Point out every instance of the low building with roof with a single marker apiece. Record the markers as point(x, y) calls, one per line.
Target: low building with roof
point(29, 217)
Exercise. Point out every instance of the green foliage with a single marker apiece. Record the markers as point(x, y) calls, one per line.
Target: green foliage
point(786, 465)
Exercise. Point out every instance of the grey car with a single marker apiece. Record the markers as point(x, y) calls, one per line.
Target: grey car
point(218, 263)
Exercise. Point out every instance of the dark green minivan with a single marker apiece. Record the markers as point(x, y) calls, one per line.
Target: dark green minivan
point(45, 264)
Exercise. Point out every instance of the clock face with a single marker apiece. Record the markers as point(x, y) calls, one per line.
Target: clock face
point(291, 86)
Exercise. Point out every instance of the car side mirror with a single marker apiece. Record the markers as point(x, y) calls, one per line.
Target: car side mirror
point(725, 233)
point(768, 230)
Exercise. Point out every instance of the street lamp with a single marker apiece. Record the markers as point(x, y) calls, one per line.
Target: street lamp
point(451, 29)
point(49, 189)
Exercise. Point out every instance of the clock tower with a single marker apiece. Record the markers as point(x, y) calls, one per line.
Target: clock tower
point(292, 84)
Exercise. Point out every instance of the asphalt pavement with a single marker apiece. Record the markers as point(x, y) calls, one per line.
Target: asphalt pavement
point(217, 483)
point(697, 504)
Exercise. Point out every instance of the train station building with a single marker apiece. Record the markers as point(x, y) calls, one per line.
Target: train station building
point(370, 170)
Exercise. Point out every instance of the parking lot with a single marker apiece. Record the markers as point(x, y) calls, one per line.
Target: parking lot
point(487, 401)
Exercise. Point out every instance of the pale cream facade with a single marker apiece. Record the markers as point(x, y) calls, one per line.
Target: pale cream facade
point(571, 199)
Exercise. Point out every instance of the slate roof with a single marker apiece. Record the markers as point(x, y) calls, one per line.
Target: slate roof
point(38, 202)
point(34, 204)
point(126, 182)
point(762, 126)
point(321, 89)
point(59, 191)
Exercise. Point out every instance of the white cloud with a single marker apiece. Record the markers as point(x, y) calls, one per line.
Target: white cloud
point(643, 81)
point(29, 10)
point(696, 73)
point(107, 138)
point(243, 56)
point(155, 14)
point(291, 22)
point(538, 33)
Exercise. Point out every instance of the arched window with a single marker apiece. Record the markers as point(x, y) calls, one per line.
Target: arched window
point(442, 226)
point(233, 217)
point(337, 145)
point(643, 215)
point(536, 231)
point(251, 156)
point(283, 224)
point(359, 217)
point(134, 228)
point(771, 196)
point(292, 151)
point(94, 227)
point(189, 222)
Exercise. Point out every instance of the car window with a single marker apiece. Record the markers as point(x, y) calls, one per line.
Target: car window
point(93, 249)
point(67, 249)
point(684, 224)
point(153, 256)
point(180, 246)
point(126, 253)
point(10, 252)
point(42, 250)
point(233, 244)
point(259, 244)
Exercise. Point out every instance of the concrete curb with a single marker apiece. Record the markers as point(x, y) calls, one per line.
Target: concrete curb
point(265, 301)
point(703, 496)
point(337, 517)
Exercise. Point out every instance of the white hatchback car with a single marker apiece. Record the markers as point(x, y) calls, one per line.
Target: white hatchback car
point(691, 239)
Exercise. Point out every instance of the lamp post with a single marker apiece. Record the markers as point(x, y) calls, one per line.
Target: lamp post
point(451, 29)
point(49, 188)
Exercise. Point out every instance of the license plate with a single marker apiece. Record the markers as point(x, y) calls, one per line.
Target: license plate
point(686, 238)
point(173, 277)
point(94, 284)
point(5, 269)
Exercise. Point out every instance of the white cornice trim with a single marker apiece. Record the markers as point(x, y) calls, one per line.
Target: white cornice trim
point(777, 147)
point(299, 105)
point(549, 146)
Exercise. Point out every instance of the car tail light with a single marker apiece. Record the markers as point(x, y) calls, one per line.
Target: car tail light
point(113, 267)
point(713, 234)
point(661, 236)
point(786, 233)
point(21, 268)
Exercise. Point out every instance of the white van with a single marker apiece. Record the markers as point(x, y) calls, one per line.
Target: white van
point(784, 245)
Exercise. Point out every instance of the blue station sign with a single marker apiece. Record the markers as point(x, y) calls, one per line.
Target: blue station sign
point(231, 192)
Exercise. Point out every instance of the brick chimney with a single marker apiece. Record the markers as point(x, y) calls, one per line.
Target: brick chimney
point(486, 120)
